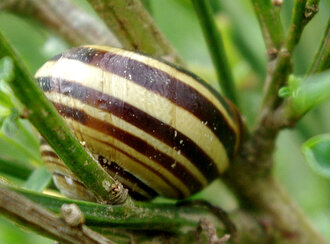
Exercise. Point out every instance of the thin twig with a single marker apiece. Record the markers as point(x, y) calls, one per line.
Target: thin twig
point(73, 24)
point(267, 128)
point(216, 48)
point(211, 234)
point(151, 216)
point(321, 60)
point(279, 76)
point(35, 217)
point(270, 22)
point(220, 213)
point(298, 22)
point(144, 216)
point(283, 64)
point(135, 28)
point(250, 174)
point(45, 118)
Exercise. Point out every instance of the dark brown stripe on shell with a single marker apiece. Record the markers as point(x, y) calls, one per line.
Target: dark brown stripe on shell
point(58, 165)
point(75, 181)
point(138, 118)
point(48, 153)
point(134, 194)
point(200, 81)
point(134, 142)
point(115, 170)
point(239, 122)
point(163, 84)
point(136, 161)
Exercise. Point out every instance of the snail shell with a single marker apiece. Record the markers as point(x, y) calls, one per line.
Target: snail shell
point(157, 128)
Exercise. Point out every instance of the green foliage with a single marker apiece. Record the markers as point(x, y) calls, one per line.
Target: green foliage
point(303, 95)
point(19, 145)
point(317, 154)
point(10, 234)
point(38, 180)
point(6, 75)
point(6, 69)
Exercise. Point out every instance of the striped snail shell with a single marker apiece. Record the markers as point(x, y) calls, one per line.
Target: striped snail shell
point(155, 127)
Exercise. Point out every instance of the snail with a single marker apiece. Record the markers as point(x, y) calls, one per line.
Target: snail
point(156, 128)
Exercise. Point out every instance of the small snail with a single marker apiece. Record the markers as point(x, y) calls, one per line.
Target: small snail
point(157, 128)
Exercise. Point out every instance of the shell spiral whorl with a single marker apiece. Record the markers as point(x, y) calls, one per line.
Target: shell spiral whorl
point(156, 128)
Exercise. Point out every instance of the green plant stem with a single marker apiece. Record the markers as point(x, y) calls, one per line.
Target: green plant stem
point(134, 28)
point(144, 216)
point(279, 76)
point(321, 60)
point(270, 23)
point(298, 22)
point(45, 118)
point(216, 48)
point(131, 236)
point(257, 64)
point(150, 216)
point(283, 64)
point(33, 216)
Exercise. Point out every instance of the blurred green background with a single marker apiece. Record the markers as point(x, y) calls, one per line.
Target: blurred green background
point(246, 52)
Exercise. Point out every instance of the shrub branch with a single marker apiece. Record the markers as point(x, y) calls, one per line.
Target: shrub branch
point(134, 27)
point(73, 24)
point(151, 216)
point(250, 175)
point(283, 64)
point(298, 22)
point(270, 23)
point(35, 217)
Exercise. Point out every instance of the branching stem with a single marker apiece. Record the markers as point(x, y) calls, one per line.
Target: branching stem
point(35, 217)
point(270, 23)
point(150, 216)
point(298, 22)
point(283, 64)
